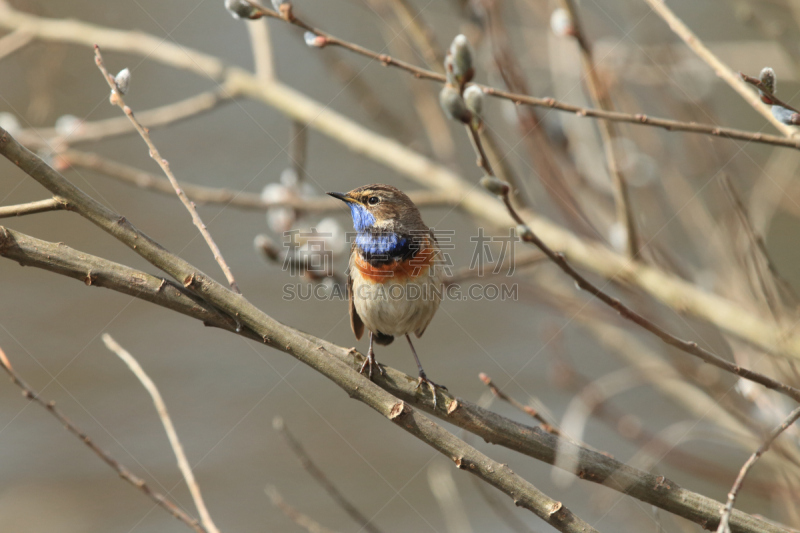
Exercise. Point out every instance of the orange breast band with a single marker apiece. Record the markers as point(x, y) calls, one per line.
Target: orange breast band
point(410, 268)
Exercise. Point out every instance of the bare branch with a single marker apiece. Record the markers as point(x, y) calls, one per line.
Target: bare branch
point(308, 464)
point(724, 523)
point(159, 499)
point(116, 99)
point(592, 466)
point(626, 312)
point(608, 132)
point(721, 69)
point(163, 414)
point(31, 208)
point(305, 522)
point(228, 197)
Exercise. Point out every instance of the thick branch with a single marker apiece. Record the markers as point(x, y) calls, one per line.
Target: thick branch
point(307, 349)
point(534, 442)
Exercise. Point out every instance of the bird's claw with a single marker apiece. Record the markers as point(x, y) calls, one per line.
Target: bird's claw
point(431, 386)
point(369, 362)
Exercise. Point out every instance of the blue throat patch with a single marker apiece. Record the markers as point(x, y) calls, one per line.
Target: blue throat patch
point(362, 219)
point(373, 243)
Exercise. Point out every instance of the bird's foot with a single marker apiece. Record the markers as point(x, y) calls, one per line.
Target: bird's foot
point(431, 386)
point(370, 362)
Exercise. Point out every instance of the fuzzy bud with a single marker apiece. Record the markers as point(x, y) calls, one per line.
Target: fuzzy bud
point(67, 125)
point(787, 116)
point(459, 61)
point(314, 41)
point(242, 9)
point(561, 23)
point(473, 98)
point(768, 80)
point(495, 185)
point(10, 123)
point(453, 105)
point(123, 80)
point(525, 233)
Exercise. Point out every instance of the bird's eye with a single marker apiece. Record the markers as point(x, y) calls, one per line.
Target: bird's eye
point(373, 200)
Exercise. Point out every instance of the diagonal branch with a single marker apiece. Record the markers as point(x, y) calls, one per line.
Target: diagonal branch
point(166, 420)
point(116, 99)
point(305, 348)
point(534, 442)
point(160, 500)
point(721, 69)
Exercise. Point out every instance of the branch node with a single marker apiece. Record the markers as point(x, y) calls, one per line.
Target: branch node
point(397, 410)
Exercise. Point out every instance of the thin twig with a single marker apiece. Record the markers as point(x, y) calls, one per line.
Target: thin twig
point(305, 522)
point(228, 197)
point(608, 132)
point(670, 125)
point(724, 523)
point(770, 280)
point(626, 312)
point(477, 145)
point(160, 500)
point(721, 69)
point(421, 34)
point(152, 118)
point(548, 425)
point(31, 208)
point(116, 99)
point(185, 58)
point(174, 441)
point(769, 95)
point(308, 464)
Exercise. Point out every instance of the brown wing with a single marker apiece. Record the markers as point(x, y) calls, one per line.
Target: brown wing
point(355, 321)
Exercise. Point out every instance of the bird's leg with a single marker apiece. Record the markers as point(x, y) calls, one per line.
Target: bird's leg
point(370, 361)
point(422, 377)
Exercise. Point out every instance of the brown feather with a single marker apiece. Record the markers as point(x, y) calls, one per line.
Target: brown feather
point(355, 321)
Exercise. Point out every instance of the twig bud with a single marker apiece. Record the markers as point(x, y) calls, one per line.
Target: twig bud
point(453, 105)
point(525, 233)
point(495, 185)
point(284, 9)
point(123, 80)
point(561, 23)
point(473, 98)
point(314, 41)
point(242, 9)
point(458, 63)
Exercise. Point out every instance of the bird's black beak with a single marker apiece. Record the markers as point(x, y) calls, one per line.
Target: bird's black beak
point(341, 196)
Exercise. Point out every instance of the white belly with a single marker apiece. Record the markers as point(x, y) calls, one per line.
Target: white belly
point(397, 306)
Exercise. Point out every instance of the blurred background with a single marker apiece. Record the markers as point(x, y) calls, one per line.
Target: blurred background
point(223, 391)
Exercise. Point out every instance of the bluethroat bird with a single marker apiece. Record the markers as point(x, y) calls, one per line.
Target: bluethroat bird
point(393, 285)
